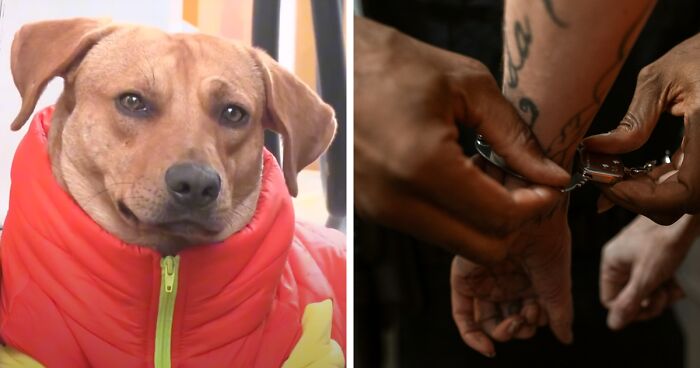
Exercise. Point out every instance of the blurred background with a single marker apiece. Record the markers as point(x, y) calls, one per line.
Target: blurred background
point(305, 36)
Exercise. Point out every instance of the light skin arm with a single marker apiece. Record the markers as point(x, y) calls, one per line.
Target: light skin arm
point(560, 60)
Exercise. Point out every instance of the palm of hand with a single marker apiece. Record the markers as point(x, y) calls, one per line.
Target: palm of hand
point(497, 301)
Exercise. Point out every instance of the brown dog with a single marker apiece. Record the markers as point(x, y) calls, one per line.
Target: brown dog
point(159, 137)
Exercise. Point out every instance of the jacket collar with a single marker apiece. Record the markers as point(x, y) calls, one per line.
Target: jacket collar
point(80, 266)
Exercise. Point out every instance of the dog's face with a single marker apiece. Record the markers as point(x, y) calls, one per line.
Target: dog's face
point(159, 137)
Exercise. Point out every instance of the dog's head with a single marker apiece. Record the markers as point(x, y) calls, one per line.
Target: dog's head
point(159, 137)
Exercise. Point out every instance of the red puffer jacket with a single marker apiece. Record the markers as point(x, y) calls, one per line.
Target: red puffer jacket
point(75, 296)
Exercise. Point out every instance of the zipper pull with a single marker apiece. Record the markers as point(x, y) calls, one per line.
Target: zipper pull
point(169, 273)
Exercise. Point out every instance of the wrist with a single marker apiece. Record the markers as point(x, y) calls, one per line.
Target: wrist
point(550, 126)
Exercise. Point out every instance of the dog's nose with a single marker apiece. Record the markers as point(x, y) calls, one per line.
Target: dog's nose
point(193, 185)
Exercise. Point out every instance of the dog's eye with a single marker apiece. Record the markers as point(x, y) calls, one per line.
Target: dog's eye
point(233, 114)
point(132, 102)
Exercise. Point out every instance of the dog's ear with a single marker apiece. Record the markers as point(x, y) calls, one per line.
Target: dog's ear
point(306, 124)
point(44, 50)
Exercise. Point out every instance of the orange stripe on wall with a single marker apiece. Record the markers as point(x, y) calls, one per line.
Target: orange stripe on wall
point(305, 56)
point(190, 12)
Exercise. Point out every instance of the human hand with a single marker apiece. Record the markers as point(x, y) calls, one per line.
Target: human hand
point(668, 84)
point(410, 172)
point(637, 268)
point(493, 303)
point(531, 288)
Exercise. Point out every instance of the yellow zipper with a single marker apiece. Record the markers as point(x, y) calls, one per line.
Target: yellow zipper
point(166, 307)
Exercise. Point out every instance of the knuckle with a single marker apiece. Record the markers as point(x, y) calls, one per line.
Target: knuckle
point(411, 162)
point(608, 251)
point(631, 125)
point(475, 74)
point(373, 204)
point(648, 73)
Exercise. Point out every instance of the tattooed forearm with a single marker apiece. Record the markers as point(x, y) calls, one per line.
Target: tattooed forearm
point(561, 149)
point(523, 39)
point(529, 107)
point(552, 15)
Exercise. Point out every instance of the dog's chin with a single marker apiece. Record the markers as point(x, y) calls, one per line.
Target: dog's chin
point(181, 232)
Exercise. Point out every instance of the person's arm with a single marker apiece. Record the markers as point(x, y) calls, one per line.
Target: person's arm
point(560, 60)
point(410, 172)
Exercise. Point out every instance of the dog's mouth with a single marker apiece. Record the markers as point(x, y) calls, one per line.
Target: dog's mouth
point(187, 228)
point(128, 214)
point(182, 227)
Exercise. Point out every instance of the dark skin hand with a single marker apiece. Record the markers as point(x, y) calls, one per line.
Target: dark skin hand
point(670, 84)
point(529, 289)
point(410, 172)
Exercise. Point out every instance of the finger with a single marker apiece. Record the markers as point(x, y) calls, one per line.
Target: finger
point(612, 282)
point(525, 331)
point(665, 202)
point(494, 117)
point(662, 202)
point(636, 126)
point(531, 312)
point(464, 315)
point(666, 176)
point(552, 283)
point(470, 331)
point(675, 291)
point(627, 305)
point(489, 316)
point(459, 186)
point(510, 308)
point(657, 175)
point(428, 223)
point(658, 301)
point(560, 313)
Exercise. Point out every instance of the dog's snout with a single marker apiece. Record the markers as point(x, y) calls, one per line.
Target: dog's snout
point(193, 185)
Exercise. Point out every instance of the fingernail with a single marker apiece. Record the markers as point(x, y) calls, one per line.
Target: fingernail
point(543, 192)
point(614, 321)
point(514, 326)
point(557, 168)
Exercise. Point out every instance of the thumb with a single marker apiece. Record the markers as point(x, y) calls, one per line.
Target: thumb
point(628, 303)
point(636, 127)
point(560, 310)
point(486, 110)
point(553, 287)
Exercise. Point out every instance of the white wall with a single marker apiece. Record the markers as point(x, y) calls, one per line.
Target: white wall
point(164, 14)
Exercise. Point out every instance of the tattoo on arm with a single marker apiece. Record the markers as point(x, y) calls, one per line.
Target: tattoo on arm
point(528, 106)
point(561, 149)
point(523, 39)
point(552, 15)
